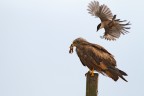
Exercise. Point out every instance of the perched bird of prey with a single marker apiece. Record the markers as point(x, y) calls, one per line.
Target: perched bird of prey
point(95, 57)
point(113, 27)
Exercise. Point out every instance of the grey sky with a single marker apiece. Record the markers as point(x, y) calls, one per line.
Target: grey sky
point(35, 36)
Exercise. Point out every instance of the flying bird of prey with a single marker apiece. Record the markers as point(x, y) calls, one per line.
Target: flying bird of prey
point(97, 58)
point(113, 27)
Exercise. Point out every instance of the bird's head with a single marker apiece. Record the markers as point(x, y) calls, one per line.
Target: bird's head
point(99, 27)
point(75, 43)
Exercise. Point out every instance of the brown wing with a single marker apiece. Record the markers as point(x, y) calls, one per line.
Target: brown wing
point(86, 55)
point(103, 12)
point(88, 58)
point(102, 52)
point(95, 54)
point(100, 48)
point(107, 63)
point(115, 29)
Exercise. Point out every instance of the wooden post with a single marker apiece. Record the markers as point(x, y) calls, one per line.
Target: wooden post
point(91, 84)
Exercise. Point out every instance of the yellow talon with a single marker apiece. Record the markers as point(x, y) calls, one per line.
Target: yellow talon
point(92, 72)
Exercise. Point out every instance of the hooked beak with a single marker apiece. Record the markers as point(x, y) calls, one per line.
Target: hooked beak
point(99, 26)
point(97, 29)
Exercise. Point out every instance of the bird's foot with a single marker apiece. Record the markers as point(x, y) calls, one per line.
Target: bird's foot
point(92, 72)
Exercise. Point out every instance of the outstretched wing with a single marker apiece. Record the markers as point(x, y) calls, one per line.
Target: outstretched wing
point(103, 12)
point(111, 33)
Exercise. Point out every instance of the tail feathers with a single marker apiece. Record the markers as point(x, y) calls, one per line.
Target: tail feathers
point(111, 75)
point(122, 72)
point(115, 74)
point(123, 78)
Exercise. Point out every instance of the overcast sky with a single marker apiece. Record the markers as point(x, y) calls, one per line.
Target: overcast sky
point(35, 36)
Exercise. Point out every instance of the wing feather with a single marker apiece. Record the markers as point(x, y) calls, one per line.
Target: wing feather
point(111, 33)
point(100, 54)
point(103, 12)
point(86, 57)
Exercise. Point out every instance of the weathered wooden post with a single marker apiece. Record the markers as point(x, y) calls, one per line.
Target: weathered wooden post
point(91, 84)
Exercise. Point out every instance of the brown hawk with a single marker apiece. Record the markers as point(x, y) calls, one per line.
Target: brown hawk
point(95, 57)
point(113, 27)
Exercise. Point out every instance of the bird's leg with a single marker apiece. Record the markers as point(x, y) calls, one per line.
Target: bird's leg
point(92, 72)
